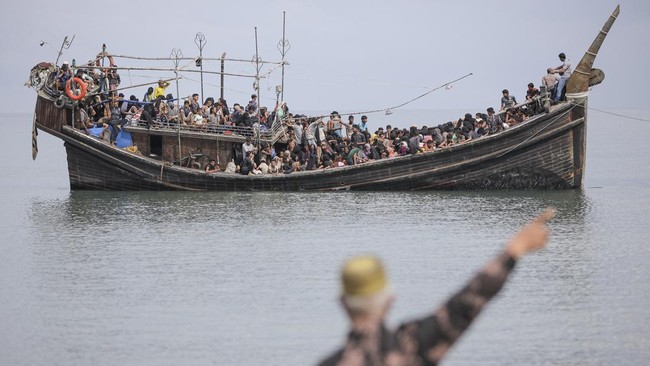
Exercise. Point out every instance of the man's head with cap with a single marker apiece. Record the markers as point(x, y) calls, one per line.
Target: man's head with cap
point(365, 286)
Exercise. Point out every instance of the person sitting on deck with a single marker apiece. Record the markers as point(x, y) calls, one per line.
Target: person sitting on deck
point(125, 105)
point(247, 146)
point(186, 113)
point(162, 115)
point(370, 152)
point(515, 116)
point(83, 75)
point(531, 92)
point(507, 101)
point(276, 165)
point(148, 96)
point(207, 104)
point(221, 113)
point(250, 118)
point(248, 164)
point(147, 115)
point(288, 164)
point(237, 116)
point(212, 167)
point(213, 118)
point(197, 119)
point(550, 80)
point(173, 114)
point(414, 144)
point(430, 145)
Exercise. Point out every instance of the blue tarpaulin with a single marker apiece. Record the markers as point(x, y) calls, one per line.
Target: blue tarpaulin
point(96, 131)
point(123, 139)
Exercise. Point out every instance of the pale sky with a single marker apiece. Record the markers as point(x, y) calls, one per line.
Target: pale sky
point(347, 56)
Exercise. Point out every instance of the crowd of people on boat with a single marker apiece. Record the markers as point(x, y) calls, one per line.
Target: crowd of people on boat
point(330, 142)
point(311, 143)
point(159, 109)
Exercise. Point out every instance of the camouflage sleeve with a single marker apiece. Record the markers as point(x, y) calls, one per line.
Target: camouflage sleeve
point(430, 338)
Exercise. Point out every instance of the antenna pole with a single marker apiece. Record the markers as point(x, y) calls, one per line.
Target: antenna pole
point(176, 56)
point(200, 43)
point(283, 47)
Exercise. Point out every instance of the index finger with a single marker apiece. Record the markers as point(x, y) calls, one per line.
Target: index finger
point(545, 216)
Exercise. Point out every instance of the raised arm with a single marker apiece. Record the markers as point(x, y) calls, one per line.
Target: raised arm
point(434, 335)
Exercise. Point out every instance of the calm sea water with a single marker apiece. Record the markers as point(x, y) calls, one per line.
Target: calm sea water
point(146, 278)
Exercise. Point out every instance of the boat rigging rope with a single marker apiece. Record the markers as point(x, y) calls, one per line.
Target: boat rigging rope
point(619, 115)
point(413, 99)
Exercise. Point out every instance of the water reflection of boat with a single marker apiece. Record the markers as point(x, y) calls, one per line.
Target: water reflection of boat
point(547, 151)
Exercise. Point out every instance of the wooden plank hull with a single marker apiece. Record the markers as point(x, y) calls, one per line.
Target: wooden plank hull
point(546, 152)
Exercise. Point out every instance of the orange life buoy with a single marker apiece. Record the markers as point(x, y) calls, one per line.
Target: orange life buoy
point(72, 95)
point(100, 56)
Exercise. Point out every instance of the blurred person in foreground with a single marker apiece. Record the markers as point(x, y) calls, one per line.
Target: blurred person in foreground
point(367, 298)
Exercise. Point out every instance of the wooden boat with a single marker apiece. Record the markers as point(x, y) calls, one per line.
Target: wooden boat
point(545, 152)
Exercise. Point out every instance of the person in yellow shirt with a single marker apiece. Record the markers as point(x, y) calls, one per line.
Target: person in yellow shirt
point(159, 91)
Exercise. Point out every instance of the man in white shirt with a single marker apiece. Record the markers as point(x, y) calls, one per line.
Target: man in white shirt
point(565, 71)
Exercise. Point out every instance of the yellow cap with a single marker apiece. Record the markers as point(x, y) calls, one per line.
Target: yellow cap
point(363, 276)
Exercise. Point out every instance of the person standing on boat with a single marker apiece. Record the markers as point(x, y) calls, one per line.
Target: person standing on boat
point(334, 125)
point(281, 111)
point(159, 91)
point(358, 139)
point(64, 74)
point(363, 127)
point(349, 128)
point(494, 121)
point(507, 101)
point(114, 119)
point(565, 70)
point(114, 79)
point(367, 298)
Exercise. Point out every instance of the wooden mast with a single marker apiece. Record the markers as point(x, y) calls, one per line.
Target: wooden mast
point(579, 80)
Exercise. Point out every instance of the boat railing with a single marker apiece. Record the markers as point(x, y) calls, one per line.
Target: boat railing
point(207, 129)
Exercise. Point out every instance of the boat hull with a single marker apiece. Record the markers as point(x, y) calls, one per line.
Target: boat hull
point(546, 152)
